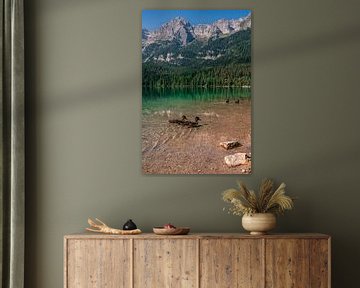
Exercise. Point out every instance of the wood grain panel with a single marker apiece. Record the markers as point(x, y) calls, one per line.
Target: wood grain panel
point(231, 263)
point(166, 263)
point(287, 263)
point(98, 264)
point(319, 263)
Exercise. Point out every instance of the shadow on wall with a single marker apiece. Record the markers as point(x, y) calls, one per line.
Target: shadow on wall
point(103, 91)
point(318, 42)
point(100, 93)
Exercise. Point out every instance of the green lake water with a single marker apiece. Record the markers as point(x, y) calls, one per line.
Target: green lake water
point(186, 98)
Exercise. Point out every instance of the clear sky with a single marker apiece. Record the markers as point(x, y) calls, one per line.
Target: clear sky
point(152, 19)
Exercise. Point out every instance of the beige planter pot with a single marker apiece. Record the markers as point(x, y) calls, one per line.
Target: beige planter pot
point(259, 223)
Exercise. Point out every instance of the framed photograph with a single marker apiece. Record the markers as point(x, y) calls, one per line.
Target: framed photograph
point(196, 91)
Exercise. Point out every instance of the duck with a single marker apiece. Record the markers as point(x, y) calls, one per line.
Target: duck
point(227, 101)
point(181, 121)
point(194, 124)
point(237, 101)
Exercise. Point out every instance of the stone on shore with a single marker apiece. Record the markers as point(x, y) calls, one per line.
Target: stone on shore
point(236, 159)
point(230, 144)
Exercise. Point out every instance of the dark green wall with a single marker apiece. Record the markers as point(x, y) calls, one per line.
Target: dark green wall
point(83, 126)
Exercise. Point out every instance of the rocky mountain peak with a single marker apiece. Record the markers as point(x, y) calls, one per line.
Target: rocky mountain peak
point(180, 30)
point(224, 26)
point(246, 22)
point(179, 21)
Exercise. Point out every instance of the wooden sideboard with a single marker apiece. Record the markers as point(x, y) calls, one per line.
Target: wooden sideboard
point(197, 260)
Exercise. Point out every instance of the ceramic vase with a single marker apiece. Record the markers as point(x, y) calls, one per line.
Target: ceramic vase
point(259, 223)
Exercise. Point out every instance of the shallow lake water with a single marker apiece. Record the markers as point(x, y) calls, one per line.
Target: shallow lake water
point(169, 148)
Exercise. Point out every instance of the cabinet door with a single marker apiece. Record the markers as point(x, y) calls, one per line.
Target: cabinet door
point(165, 263)
point(231, 263)
point(287, 263)
point(98, 263)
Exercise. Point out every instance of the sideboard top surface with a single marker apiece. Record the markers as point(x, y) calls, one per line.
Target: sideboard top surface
point(87, 235)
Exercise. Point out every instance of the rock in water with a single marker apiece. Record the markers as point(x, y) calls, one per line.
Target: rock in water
point(230, 144)
point(236, 159)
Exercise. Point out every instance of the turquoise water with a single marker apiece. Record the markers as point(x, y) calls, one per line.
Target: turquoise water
point(163, 98)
